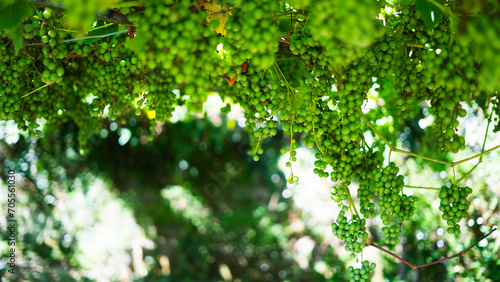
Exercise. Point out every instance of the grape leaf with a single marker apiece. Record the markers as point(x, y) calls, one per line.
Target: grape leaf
point(137, 44)
point(100, 31)
point(300, 4)
point(300, 97)
point(431, 13)
point(12, 13)
point(216, 12)
point(16, 35)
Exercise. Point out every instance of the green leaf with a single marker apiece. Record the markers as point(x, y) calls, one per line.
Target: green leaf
point(137, 44)
point(299, 4)
point(431, 13)
point(100, 31)
point(120, 28)
point(300, 97)
point(12, 13)
point(16, 35)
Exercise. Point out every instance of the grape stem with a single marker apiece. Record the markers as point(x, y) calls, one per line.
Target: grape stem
point(100, 90)
point(43, 86)
point(375, 130)
point(82, 38)
point(422, 187)
point(351, 202)
point(476, 156)
point(420, 156)
point(414, 45)
point(257, 147)
point(413, 266)
point(27, 54)
point(482, 150)
point(291, 147)
point(282, 40)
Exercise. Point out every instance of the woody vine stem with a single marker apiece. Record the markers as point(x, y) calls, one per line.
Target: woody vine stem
point(435, 262)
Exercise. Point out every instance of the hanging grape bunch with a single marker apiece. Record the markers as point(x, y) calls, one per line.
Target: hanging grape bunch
point(454, 205)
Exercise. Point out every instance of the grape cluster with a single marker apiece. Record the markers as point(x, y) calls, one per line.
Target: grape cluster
point(176, 39)
point(252, 33)
point(393, 204)
point(454, 205)
point(452, 71)
point(361, 274)
point(160, 96)
point(365, 195)
point(400, 78)
point(352, 232)
point(262, 97)
point(354, 82)
point(344, 28)
point(312, 53)
point(391, 233)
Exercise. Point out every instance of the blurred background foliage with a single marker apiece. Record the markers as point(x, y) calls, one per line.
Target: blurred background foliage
point(191, 205)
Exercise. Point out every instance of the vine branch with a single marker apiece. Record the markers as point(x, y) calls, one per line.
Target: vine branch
point(482, 150)
point(435, 262)
point(475, 156)
point(375, 130)
point(422, 187)
point(393, 148)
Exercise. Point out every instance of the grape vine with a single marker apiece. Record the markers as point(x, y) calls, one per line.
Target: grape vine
point(69, 60)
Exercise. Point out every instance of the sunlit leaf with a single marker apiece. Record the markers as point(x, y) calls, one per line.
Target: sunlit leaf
point(431, 13)
point(216, 12)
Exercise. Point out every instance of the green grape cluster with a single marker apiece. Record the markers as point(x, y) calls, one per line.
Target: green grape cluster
point(452, 71)
point(176, 39)
point(344, 28)
point(365, 195)
point(388, 183)
point(160, 96)
point(354, 82)
point(391, 233)
point(352, 232)
point(399, 76)
point(393, 203)
point(361, 274)
point(311, 52)
point(252, 33)
point(262, 97)
point(454, 205)
point(77, 73)
point(424, 67)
